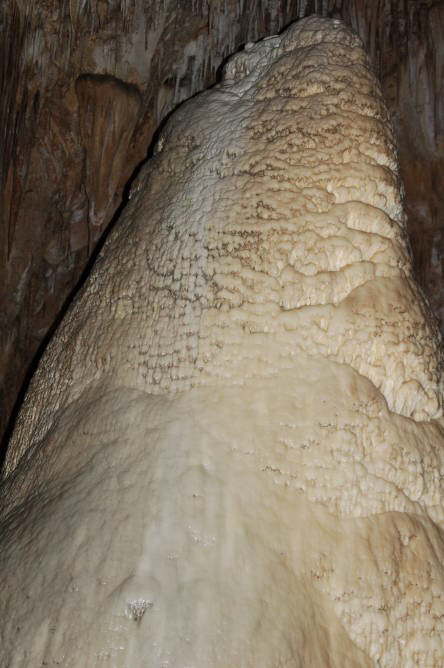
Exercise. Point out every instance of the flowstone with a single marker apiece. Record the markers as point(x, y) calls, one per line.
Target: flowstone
point(231, 452)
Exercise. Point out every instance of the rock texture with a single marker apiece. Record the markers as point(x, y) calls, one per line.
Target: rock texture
point(231, 453)
point(65, 64)
point(404, 41)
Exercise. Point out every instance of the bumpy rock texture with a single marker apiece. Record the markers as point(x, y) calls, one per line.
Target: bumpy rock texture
point(232, 451)
point(59, 188)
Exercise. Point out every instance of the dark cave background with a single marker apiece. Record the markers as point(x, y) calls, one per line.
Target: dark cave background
point(84, 85)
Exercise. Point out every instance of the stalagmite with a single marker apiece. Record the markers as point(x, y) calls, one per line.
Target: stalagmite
point(231, 452)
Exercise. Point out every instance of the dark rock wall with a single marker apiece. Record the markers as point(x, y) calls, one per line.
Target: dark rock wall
point(84, 87)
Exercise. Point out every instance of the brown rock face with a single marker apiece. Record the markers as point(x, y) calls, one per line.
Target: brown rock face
point(85, 85)
point(108, 114)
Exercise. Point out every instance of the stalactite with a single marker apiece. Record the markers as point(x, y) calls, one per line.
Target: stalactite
point(108, 112)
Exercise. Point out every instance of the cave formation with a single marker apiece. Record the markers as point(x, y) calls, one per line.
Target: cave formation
point(76, 137)
point(85, 85)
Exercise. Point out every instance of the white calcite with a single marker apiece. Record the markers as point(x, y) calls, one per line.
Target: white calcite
point(231, 454)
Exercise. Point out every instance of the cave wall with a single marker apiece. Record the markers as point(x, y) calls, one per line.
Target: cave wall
point(86, 84)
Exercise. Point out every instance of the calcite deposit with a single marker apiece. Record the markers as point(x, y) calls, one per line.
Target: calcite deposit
point(84, 85)
point(231, 452)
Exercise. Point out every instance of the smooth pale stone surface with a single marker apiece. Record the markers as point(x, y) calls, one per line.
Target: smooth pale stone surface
point(232, 451)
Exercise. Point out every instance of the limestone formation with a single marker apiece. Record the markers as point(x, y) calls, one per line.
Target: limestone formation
point(231, 452)
point(70, 66)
